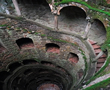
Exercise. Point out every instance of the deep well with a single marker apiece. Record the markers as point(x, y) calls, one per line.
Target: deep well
point(54, 44)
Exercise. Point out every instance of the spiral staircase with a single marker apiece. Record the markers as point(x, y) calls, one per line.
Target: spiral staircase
point(45, 48)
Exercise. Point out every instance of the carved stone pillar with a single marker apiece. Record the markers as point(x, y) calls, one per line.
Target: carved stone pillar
point(16, 7)
point(88, 26)
point(56, 22)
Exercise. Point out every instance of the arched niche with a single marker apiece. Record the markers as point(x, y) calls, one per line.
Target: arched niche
point(97, 32)
point(51, 47)
point(73, 12)
point(72, 18)
point(73, 58)
point(25, 43)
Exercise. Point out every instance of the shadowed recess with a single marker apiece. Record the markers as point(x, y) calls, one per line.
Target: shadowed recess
point(25, 43)
point(51, 47)
point(73, 58)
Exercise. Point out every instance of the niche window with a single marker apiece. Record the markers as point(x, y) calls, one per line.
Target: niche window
point(73, 58)
point(25, 43)
point(51, 47)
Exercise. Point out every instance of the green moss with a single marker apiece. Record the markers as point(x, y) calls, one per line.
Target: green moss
point(86, 64)
point(60, 40)
point(37, 60)
point(106, 45)
point(85, 60)
point(84, 3)
point(99, 85)
point(36, 33)
point(25, 30)
point(3, 25)
point(9, 26)
point(49, 37)
point(19, 18)
point(101, 70)
point(18, 28)
point(104, 72)
point(43, 35)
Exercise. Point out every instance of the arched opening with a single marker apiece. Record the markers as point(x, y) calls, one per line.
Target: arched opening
point(73, 58)
point(51, 47)
point(72, 18)
point(73, 12)
point(25, 43)
point(97, 32)
point(35, 9)
point(2, 49)
point(80, 73)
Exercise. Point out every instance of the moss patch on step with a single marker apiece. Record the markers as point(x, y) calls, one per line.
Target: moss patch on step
point(99, 85)
point(83, 3)
point(101, 70)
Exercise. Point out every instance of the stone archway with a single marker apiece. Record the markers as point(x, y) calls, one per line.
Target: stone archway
point(97, 32)
point(25, 43)
point(72, 19)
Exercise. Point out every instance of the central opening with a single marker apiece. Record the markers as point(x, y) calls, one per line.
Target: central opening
point(35, 76)
point(49, 86)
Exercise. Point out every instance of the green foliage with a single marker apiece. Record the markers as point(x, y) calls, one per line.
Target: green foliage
point(9, 26)
point(19, 18)
point(85, 60)
point(106, 45)
point(36, 33)
point(3, 25)
point(86, 64)
point(25, 30)
point(43, 35)
point(99, 85)
point(37, 60)
point(101, 70)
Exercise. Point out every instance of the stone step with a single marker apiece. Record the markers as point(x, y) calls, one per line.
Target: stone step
point(101, 60)
point(97, 51)
point(92, 42)
point(96, 46)
point(99, 65)
point(103, 56)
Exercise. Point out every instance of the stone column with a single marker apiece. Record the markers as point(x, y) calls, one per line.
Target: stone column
point(56, 22)
point(16, 7)
point(87, 29)
point(53, 2)
point(98, 56)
